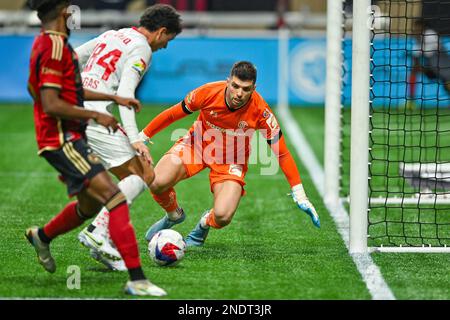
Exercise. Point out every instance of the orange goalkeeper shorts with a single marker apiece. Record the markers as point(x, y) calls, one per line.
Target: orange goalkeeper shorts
point(193, 163)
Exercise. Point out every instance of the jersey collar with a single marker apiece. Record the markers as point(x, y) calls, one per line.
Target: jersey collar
point(140, 33)
point(62, 34)
point(137, 30)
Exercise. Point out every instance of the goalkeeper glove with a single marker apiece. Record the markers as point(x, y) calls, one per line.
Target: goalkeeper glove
point(300, 198)
point(144, 138)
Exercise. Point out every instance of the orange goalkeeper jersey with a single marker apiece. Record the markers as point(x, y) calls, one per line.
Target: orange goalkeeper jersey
point(222, 135)
point(229, 130)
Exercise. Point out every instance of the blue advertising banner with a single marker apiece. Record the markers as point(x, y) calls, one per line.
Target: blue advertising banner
point(189, 62)
point(14, 57)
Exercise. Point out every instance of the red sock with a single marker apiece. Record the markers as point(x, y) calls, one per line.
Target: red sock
point(122, 234)
point(64, 221)
point(167, 200)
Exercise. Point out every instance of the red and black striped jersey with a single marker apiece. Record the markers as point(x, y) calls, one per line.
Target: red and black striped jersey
point(54, 64)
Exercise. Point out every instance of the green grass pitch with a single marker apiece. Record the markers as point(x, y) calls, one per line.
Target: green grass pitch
point(271, 250)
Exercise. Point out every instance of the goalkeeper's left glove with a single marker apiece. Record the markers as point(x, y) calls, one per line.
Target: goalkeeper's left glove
point(300, 198)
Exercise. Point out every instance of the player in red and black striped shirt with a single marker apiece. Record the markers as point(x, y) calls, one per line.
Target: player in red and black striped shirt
point(60, 120)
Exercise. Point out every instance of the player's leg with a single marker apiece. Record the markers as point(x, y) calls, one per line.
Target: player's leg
point(66, 220)
point(134, 175)
point(168, 172)
point(137, 165)
point(120, 158)
point(103, 190)
point(82, 172)
point(96, 236)
point(87, 178)
point(227, 195)
point(73, 168)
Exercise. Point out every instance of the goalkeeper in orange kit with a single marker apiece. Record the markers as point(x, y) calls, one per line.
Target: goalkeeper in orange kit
point(230, 112)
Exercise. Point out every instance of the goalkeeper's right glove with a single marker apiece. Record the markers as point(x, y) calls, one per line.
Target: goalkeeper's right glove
point(144, 138)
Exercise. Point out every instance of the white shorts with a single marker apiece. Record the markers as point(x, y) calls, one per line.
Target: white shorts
point(113, 149)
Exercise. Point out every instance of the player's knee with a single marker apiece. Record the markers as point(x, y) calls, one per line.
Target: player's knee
point(107, 193)
point(87, 210)
point(102, 187)
point(115, 200)
point(149, 177)
point(156, 187)
point(223, 217)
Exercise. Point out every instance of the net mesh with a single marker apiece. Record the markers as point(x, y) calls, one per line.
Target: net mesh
point(409, 154)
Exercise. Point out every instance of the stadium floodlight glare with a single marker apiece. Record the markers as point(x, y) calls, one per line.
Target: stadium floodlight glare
point(396, 154)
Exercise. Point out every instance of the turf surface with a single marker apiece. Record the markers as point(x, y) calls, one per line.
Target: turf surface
point(271, 250)
point(410, 276)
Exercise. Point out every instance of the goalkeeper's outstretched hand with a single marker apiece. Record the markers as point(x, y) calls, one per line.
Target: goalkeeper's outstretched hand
point(300, 198)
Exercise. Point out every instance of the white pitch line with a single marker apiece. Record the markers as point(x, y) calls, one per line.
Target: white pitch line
point(370, 273)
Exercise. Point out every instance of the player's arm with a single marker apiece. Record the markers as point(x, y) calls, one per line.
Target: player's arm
point(163, 120)
point(290, 170)
point(54, 106)
point(192, 102)
point(274, 136)
point(130, 103)
point(132, 72)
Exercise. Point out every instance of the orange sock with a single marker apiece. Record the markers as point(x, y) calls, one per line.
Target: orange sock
point(211, 220)
point(167, 200)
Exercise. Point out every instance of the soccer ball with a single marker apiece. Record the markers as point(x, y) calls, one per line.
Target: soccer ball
point(167, 248)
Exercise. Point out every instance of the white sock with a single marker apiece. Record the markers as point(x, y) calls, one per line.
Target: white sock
point(203, 220)
point(101, 221)
point(131, 187)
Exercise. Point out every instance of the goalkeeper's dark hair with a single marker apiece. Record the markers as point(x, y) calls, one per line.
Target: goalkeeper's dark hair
point(161, 15)
point(48, 10)
point(244, 70)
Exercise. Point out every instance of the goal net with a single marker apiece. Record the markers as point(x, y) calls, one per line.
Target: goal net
point(394, 141)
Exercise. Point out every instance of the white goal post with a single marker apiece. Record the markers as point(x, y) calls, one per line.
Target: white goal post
point(359, 135)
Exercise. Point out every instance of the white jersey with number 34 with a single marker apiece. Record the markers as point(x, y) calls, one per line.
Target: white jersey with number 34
point(115, 63)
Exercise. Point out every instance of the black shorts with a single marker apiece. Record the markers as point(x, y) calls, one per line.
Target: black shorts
point(76, 163)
